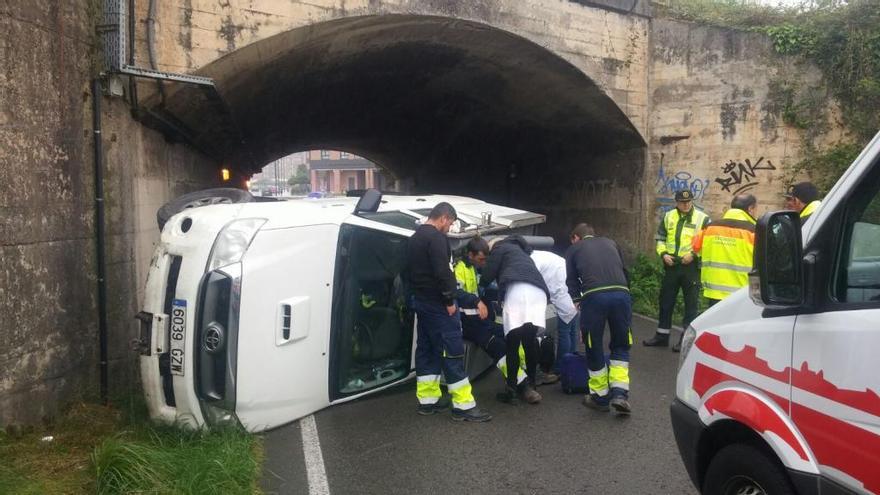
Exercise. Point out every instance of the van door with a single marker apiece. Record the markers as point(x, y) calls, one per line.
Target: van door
point(372, 330)
point(836, 370)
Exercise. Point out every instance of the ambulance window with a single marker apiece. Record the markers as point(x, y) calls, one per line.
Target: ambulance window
point(858, 276)
point(372, 328)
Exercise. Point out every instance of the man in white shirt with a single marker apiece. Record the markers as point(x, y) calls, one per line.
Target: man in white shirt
point(553, 270)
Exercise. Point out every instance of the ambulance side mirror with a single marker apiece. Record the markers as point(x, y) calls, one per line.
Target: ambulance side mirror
point(777, 276)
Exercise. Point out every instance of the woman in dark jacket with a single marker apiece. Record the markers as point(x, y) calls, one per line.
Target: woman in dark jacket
point(525, 294)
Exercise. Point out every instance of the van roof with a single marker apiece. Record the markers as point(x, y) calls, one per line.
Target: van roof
point(476, 215)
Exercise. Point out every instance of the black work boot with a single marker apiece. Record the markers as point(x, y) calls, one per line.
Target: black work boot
point(429, 409)
point(676, 347)
point(592, 402)
point(508, 396)
point(621, 406)
point(658, 340)
point(474, 415)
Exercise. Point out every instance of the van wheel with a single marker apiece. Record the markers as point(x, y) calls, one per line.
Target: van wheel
point(219, 195)
point(741, 469)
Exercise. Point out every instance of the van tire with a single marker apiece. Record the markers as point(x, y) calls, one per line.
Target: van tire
point(195, 199)
point(737, 467)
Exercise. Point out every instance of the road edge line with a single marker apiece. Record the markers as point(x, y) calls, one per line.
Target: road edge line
point(316, 473)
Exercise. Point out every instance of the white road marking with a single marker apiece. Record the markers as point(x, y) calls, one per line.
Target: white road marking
point(315, 471)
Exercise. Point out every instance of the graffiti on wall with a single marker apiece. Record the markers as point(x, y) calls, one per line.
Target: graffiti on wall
point(669, 182)
point(739, 177)
point(606, 192)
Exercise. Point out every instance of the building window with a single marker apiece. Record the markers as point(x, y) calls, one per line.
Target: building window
point(351, 183)
point(325, 155)
point(343, 155)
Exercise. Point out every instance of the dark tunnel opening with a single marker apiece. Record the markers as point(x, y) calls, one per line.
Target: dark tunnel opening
point(443, 105)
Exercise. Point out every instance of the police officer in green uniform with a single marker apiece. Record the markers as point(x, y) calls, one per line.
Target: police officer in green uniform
point(681, 266)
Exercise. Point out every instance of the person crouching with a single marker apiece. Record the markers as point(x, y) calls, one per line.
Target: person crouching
point(525, 295)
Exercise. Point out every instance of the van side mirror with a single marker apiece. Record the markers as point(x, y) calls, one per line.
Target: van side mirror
point(369, 202)
point(777, 276)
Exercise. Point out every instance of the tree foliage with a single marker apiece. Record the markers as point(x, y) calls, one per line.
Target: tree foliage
point(300, 178)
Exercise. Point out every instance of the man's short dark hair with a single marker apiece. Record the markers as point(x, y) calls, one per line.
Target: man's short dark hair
point(443, 209)
point(743, 201)
point(478, 245)
point(582, 230)
point(804, 191)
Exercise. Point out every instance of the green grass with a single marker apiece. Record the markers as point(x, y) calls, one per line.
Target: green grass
point(646, 276)
point(103, 450)
point(166, 460)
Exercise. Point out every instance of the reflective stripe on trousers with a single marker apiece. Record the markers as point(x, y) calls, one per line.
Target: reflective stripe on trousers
point(462, 395)
point(428, 389)
point(520, 373)
point(599, 382)
point(618, 374)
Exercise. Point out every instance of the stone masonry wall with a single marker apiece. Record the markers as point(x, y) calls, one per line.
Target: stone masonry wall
point(610, 47)
point(716, 124)
point(48, 315)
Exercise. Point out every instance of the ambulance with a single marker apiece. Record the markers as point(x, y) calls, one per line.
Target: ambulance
point(261, 312)
point(777, 390)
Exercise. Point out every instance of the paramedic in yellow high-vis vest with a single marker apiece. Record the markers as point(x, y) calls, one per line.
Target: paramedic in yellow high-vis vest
point(726, 249)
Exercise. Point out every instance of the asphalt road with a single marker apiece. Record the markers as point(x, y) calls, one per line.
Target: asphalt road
point(380, 445)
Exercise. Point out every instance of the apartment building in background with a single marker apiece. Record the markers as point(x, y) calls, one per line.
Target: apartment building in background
point(336, 172)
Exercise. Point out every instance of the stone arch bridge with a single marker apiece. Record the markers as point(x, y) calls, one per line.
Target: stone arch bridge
point(587, 110)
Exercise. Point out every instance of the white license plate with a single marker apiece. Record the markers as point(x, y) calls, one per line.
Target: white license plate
point(177, 336)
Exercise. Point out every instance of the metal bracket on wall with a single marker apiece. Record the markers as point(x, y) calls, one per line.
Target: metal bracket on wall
point(113, 33)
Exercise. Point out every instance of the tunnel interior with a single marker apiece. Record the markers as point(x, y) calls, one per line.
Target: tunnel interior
point(443, 105)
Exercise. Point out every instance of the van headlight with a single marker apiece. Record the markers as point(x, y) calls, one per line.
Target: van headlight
point(233, 241)
point(687, 341)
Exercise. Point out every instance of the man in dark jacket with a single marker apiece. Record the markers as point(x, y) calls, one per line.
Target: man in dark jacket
point(525, 294)
point(597, 274)
point(438, 345)
point(477, 317)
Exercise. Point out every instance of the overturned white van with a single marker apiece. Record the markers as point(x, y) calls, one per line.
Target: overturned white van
point(264, 312)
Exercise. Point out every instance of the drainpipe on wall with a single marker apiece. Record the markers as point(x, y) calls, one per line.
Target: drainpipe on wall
point(151, 45)
point(100, 234)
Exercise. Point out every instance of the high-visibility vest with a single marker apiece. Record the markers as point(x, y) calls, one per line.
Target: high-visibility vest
point(727, 248)
point(668, 233)
point(809, 209)
point(466, 276)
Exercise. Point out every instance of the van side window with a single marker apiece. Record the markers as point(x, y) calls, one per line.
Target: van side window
point(858, 274)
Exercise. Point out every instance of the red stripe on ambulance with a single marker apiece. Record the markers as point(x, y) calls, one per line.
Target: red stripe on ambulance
point(835, 443)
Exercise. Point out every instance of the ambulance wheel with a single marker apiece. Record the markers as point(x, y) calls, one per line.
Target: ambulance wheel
point(219, 195)
point(741, 469)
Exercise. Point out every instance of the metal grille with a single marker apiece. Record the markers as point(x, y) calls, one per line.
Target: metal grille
point(113, 32)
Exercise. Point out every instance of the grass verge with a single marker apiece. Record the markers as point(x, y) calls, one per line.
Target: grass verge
point(97, 449)
point(646, 277)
